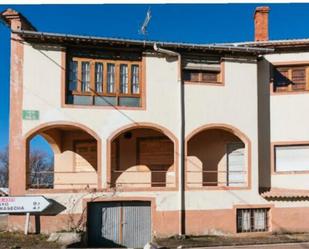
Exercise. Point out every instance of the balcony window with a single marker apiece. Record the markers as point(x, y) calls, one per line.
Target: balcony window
point(104, 82)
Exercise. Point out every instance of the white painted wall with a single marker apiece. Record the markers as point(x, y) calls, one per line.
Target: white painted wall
point(289, 121)
point(234, 104)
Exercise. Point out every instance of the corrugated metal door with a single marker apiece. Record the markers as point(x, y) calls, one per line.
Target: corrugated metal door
point(136, 224)
point(103, 224)
point(236, 164)
point(117, 224)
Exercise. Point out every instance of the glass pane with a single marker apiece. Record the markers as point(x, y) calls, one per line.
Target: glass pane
point(259, 219)
point(110, 78)
point(246, 222)
point(85, 77)
point(73, 75)
point(99, 77)
point(135, 79)
point(292, 158)
point(124, 88)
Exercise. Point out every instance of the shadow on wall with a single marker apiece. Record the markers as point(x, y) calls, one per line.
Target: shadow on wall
point(263, 83)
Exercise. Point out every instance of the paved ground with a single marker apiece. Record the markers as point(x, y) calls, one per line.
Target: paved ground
point(275, 246)
point(252, 240)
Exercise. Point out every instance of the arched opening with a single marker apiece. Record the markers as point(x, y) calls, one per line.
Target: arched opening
point(40, 163)
point(142, 157)
point(217, 157)
point(75, 158)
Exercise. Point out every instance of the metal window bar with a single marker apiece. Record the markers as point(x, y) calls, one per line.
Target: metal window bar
point(218, 183)
point(154, 183)
point(46, 179)
point(252, 220)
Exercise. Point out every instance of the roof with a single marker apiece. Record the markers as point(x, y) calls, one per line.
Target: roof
point(291, 43)
point(56, 38)
point(279, 193)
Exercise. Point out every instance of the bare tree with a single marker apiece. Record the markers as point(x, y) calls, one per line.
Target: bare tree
point(41, 169)
point(4, 167)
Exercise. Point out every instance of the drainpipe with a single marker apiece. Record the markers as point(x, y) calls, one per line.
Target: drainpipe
point(181, 155)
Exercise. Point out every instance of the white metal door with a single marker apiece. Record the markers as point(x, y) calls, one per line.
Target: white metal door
point(236, 172)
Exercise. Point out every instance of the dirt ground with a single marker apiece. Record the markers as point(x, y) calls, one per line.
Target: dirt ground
point(20, 241)
point(207, 241)
point(32, 241)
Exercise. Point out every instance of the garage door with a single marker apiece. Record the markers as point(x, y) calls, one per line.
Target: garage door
point(118, 224)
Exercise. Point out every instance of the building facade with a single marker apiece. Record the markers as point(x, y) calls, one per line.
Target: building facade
point(161, 139)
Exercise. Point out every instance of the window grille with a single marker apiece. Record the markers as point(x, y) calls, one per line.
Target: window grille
point(252, 220)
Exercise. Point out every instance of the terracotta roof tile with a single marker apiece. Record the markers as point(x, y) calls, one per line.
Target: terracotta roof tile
point(285, 193)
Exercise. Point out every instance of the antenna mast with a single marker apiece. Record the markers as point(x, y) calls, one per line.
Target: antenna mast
point(143, 29)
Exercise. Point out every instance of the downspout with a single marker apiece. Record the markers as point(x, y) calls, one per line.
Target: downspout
point(181, 156)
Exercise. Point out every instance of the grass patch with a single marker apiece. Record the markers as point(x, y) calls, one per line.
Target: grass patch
point(16, 240)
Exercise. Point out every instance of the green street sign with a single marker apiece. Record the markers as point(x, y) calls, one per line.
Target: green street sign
point(31, 115)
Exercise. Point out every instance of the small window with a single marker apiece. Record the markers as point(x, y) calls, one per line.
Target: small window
point(291, 158)
point(252, 220)
point(289, 79)
point(202, 76)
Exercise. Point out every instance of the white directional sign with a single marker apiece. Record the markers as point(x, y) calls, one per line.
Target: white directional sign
point(23, 204)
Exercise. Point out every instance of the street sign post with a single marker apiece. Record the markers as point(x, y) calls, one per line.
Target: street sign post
point(23, 204)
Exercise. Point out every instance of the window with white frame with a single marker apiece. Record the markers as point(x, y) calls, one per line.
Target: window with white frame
point(252, 220)
point(291, 158)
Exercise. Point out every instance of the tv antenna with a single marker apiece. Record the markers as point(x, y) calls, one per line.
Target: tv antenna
point(143, 29)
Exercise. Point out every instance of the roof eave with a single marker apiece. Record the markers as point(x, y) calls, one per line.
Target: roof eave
point(55, 37)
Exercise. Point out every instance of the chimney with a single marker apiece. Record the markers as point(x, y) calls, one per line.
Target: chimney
point(15, 20)
point(261, 23)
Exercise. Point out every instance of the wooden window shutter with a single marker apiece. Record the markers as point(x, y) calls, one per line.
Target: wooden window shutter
point(210, 76)
point(298, 77)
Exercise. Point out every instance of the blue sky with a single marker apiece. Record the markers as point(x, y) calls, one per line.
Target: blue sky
point(196, 23)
